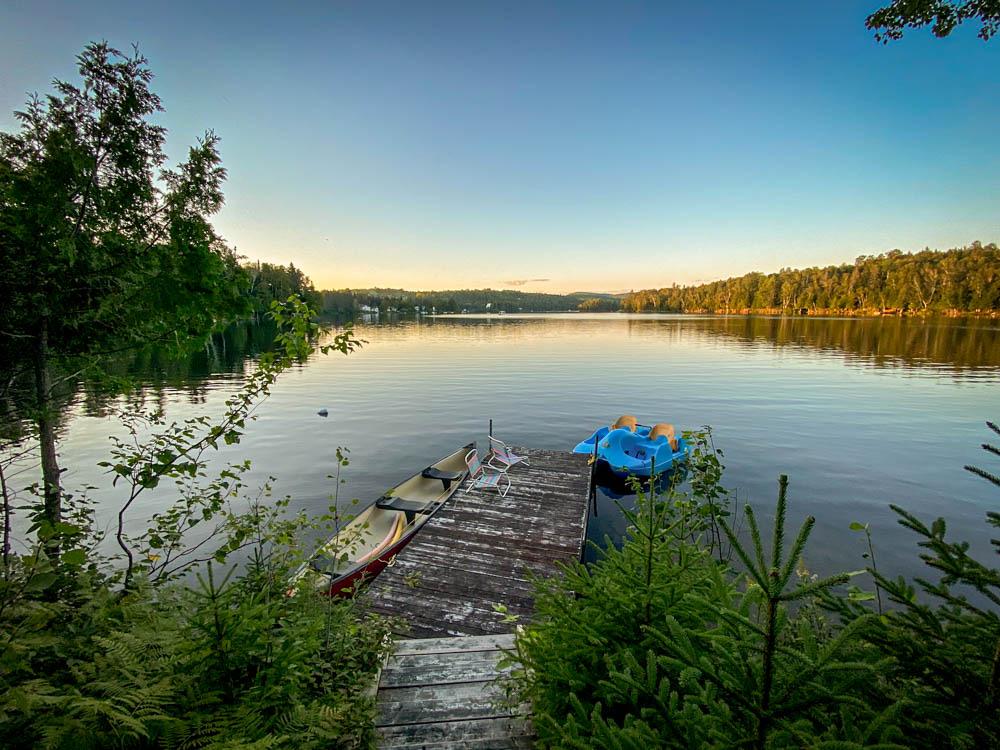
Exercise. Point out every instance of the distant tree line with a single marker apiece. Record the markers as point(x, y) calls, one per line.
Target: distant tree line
point(267, 282)
point(601, 304)
point(353, 301)
point(349, 302)
point(960, 280)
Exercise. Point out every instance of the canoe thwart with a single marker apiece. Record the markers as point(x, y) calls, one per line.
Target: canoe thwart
point(391, 502)
point(446, 477)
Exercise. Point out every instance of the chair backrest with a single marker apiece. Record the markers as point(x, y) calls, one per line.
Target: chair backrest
point(667, 430)
point(626, 421)
point(499, 448)
point(474, 462)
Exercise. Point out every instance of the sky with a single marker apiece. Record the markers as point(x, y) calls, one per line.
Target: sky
point(554, 146)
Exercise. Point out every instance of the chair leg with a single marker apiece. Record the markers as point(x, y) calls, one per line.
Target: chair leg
point(494, 460)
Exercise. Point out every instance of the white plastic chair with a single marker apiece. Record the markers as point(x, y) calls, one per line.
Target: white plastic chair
point(500, 453)
point(480, 478)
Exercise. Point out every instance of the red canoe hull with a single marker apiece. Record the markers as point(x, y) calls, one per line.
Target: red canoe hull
point(346, 584)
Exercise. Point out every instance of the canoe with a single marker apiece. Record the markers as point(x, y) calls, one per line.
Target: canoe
point(375, 536)
point(631, 453)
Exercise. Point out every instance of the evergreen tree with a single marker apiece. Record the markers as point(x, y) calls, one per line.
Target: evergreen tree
point(103, 248)
point(659, 644)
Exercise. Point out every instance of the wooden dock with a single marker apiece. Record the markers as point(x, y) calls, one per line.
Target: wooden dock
point(442, 693)
point(476, 551)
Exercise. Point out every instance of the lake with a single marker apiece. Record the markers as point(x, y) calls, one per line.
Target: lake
point(859, 413)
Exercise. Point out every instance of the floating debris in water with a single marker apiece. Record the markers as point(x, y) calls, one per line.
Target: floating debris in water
point(323, 413)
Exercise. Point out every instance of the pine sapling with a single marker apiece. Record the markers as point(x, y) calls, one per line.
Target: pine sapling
point(772, 579)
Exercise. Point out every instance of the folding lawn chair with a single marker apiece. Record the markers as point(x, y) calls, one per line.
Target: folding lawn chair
point(480, 478)
point(501, 454)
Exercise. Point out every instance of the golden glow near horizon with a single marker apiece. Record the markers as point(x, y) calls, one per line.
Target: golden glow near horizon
point(418, 264)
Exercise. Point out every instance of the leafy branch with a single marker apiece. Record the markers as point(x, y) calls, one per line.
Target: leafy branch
point(178, 451)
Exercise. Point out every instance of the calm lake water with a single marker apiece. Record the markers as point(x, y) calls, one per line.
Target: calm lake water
point(859, 413)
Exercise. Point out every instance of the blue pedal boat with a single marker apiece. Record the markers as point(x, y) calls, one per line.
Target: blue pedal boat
point(632, 453)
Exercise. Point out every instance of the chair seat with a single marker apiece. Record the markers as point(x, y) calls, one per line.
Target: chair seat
point(510, 460)
point(501, 458)
point(479, 476)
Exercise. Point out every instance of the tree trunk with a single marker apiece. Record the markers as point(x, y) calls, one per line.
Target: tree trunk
point(45, 420)
point(770, 646)
point(7, 510)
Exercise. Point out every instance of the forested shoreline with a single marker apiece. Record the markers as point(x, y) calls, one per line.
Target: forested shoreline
point(958, 281)
point(268, 282)
point(402, 301)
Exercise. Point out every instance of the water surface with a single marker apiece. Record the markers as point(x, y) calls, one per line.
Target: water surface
point(859, 413)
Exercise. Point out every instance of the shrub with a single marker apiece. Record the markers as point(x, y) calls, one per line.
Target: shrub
point(102, 652)
point(224, 664)
point(660, 644)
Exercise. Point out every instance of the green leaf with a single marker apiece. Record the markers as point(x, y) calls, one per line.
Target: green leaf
point(40, 582)
point(855, 526)
point(67, 249)
point(857, 595)
point(75, 557)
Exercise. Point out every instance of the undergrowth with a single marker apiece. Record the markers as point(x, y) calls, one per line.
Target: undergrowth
point(191, 637)
point(662, 643)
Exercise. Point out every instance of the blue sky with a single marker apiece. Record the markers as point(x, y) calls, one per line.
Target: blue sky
point(598, 146)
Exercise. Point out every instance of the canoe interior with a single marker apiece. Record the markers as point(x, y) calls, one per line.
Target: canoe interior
point(385, 528)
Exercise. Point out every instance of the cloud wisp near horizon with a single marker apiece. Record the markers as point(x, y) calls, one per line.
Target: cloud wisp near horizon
point(566, 145)
point(522, 282)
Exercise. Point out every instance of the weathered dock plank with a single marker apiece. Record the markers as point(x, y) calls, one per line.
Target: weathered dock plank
point(441, 669)
point(481, 734)
point(421, 704)
point(440, 614)
point(477, 551)
point(442, 693)
point(490, 590)
point(449, 645)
